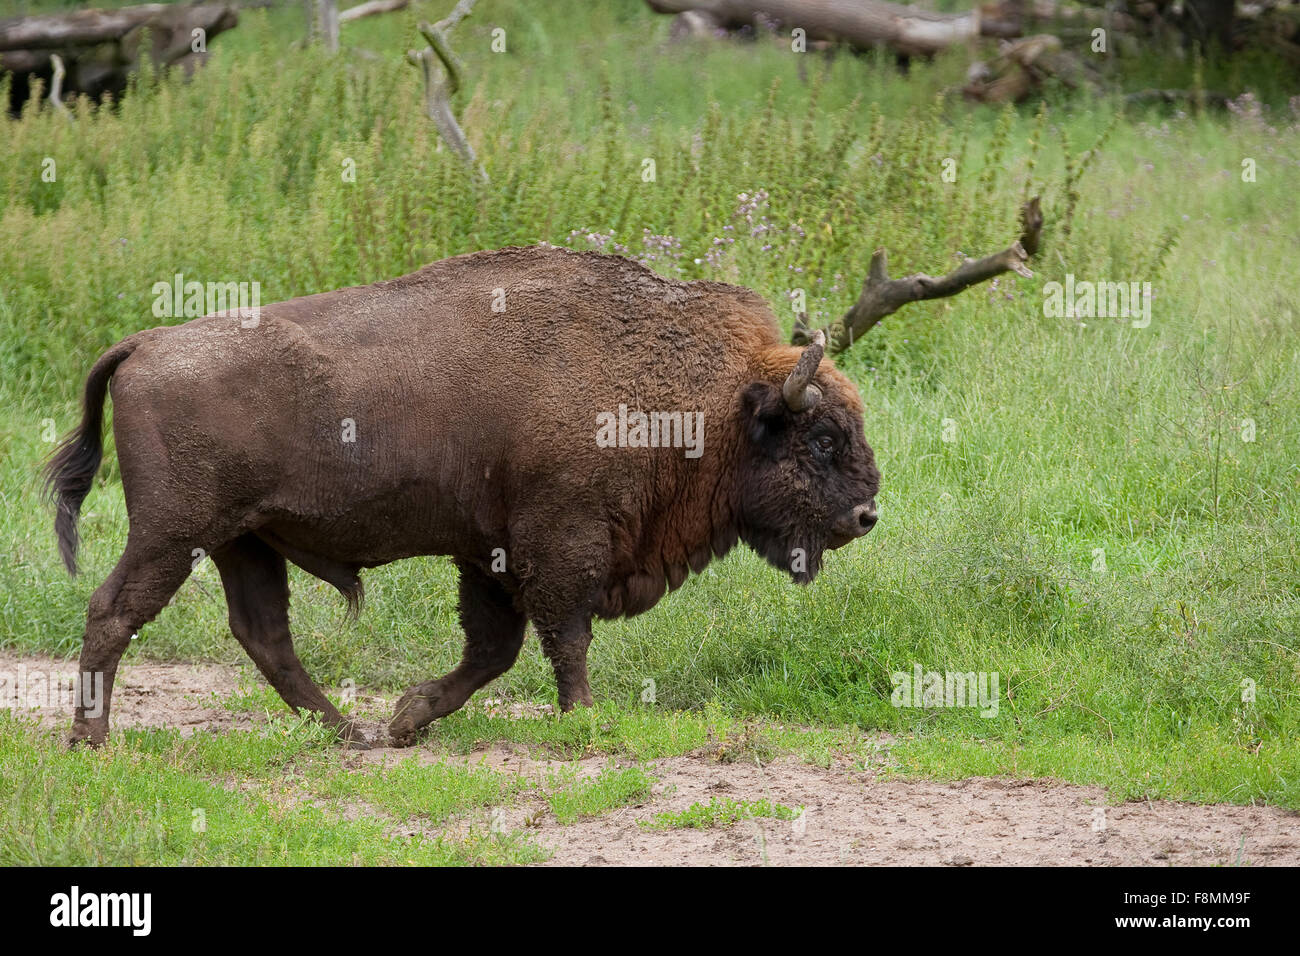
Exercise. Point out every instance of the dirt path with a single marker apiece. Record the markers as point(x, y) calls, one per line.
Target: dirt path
point(852, 815)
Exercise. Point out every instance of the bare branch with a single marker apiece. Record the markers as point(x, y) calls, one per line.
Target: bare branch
point(441, 84)
point(458, 13)
point(435, 34)
point(327, 23)
point(56, 85)
point(362, 10)
point(882, 296)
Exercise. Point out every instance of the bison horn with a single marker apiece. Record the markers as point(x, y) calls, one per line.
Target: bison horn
point(799, 392)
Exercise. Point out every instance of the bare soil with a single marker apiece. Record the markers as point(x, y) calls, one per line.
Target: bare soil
point(852, 814)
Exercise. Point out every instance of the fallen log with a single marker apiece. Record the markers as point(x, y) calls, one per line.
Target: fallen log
point(101, 48)
point(882, 296)
point(80, 28)
point(1009, 19)
point(863, 24)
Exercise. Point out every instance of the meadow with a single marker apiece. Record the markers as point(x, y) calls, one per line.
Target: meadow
point(1104, 515)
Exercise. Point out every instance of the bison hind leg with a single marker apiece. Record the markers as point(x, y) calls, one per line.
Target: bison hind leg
point(256, 581)
point(141, 584)
point(494, 633)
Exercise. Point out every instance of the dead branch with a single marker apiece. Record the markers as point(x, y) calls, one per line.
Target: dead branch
point(325, 25)
point(1022, 67)
point(363, 10)
point(459, 12)
point(882, 296)
point(442, 72)
point(693, 23)
point(56, 85)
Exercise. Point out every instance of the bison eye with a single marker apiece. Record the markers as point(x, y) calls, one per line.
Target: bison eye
point(824, 444)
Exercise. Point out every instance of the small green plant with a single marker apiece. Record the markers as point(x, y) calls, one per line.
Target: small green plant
point(590, 797)
point(720, 812)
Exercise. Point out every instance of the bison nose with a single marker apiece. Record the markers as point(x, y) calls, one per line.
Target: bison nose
point(855, 523)
point(866, 516)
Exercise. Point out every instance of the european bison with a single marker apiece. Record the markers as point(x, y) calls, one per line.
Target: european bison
point(574, 430)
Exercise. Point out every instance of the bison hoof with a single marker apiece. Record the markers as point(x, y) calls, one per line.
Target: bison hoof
point(403, 733)
point(83, 736)
point(413, 713)
point(401, 737)
point(351, 737)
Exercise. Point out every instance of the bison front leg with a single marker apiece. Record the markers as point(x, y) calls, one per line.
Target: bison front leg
point(494, 632)
point(566, 646)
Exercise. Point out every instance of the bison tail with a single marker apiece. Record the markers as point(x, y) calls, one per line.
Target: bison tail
point(71, 469)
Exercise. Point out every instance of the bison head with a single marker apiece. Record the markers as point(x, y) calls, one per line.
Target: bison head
point(808, 479)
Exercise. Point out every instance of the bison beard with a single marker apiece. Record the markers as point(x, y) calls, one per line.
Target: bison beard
point(415, 416)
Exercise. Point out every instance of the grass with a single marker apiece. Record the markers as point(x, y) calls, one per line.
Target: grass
point(720, 812)
point(284, 794)
point(611, 788)
point(409, 790)
point(1105, 516)
point(156, 798)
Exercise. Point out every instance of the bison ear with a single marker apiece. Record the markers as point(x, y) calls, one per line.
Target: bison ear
point(765, 412)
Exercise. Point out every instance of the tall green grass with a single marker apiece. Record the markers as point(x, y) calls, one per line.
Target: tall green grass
point(1098, 531)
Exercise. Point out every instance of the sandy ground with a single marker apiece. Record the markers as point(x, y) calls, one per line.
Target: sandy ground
point(852, 815)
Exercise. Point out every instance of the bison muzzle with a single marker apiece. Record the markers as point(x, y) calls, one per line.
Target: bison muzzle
point(454, 412)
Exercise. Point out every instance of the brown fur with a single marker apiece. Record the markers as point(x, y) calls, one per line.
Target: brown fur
point(475, 430)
